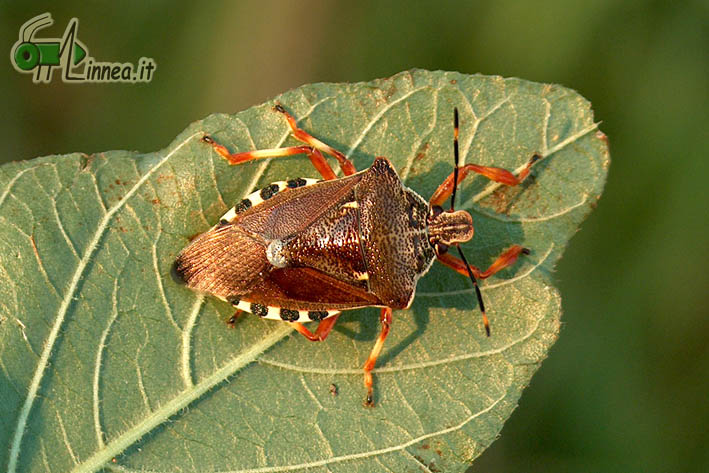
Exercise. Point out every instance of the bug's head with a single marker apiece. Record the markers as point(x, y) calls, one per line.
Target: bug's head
point(448, 227)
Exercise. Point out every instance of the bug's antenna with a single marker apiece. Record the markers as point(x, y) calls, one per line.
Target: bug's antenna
point(455, 156)
point(486, 322)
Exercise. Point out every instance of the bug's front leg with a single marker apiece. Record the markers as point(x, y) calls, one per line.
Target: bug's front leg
point(345, 164)
point(385, 319)
point(503, 176)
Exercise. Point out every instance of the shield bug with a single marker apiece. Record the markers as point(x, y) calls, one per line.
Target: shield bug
point(304, 250)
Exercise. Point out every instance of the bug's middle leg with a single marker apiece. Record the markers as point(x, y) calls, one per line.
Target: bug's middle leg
point(385, 319)
point(321, 333)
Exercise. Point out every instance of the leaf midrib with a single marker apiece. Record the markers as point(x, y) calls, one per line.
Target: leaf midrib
point(64, 307)
point(180, 401)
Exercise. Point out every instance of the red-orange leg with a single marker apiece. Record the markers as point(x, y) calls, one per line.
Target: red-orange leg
point(231, 323)
point(321, 333)
point(385, 319)
point(316, 157)
point(505, 260)
point(503, 176)
point(345, 164)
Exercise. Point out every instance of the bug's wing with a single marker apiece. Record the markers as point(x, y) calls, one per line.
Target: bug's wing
point(292, 210)
point(224, 261)
point(308, 289)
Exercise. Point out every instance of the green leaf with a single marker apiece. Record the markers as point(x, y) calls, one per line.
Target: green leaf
point(106, 363)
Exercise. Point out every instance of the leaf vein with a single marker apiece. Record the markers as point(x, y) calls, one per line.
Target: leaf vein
point(378, 116)
point(65, 438)
point(11, 182)
point(373, 453)
point(62, 230)
point(406, 367)
point(161, 288)
point(186, 369)
point(97, 367)
point(418, 461)
point(421, 138)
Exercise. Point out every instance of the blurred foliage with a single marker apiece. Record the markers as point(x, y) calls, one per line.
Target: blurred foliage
point(625, 387)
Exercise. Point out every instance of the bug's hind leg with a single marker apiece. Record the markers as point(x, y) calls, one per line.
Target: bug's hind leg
point(385, 319)
point(321, 333)
point(345, 164)
point(503, 176)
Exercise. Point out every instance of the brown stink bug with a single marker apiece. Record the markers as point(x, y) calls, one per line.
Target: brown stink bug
point(304, 250)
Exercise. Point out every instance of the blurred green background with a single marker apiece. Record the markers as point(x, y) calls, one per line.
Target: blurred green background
point(625, 387)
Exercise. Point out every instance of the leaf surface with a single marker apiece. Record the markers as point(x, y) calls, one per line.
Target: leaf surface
point(107, 363)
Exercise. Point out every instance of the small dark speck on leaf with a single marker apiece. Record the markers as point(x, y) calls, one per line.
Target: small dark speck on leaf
point(165, 177)
point(431, 466)
point(86, 161)
point(500, 203)
point(504, 198)
point(333, 389)
point(421, 154)
point(602, 136)
point(391, 91)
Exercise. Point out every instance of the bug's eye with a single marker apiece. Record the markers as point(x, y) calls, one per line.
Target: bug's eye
point(435, 211)
point(441, 248)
